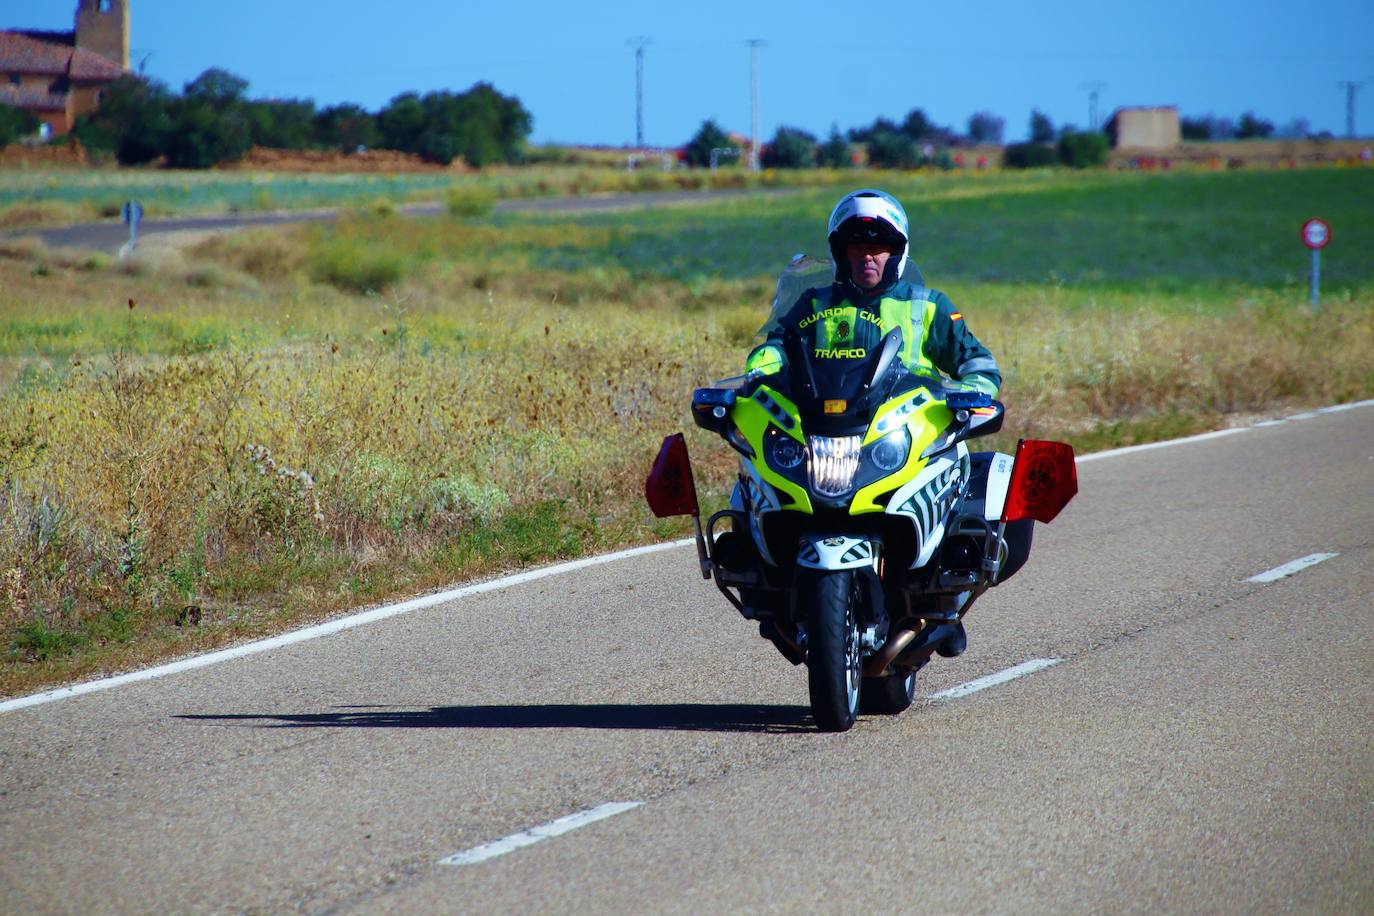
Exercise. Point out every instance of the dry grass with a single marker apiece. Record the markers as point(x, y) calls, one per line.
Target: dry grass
point(275, 430)
point(190, 452)
point(44, 213)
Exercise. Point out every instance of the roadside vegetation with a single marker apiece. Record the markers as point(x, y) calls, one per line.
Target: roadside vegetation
point(221, 440)
point(54, 197)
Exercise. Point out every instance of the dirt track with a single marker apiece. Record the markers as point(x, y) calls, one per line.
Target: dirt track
point(110, 236)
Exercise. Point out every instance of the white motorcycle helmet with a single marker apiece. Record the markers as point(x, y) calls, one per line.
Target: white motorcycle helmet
point(868, 215)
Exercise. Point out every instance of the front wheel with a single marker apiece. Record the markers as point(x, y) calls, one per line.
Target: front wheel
point(834, 669)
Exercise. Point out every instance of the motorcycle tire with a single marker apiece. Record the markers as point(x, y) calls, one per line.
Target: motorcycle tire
point(834, 667)
point(887, 696)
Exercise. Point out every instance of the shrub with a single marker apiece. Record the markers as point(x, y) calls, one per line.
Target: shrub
point(481, 126)
point(1082, 149)
point(891, 150)
point(465, 202)
point(355, 267)
point(1028, 156)
point(263, 254)
point(42, 213)
point(985, 127)
point(790, 148)
point(15, 124)
point(835, 153)
point(203, 136)
point(1253, 127)
point(346, 128)
point(708, 137)
point(134, 121)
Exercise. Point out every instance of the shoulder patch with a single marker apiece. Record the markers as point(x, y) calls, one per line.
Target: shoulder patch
point(956, 316)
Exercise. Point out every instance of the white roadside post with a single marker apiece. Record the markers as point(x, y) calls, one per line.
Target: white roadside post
point(132, 212)
point(1316, 234)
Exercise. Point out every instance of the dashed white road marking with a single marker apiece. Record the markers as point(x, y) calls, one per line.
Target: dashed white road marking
point(992, 680)
point(1287, 569)
point(536, 834)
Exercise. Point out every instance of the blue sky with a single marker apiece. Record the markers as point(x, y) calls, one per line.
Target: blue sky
point(572, 65)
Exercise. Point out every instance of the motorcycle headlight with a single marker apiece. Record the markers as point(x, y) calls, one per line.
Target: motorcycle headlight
point(784, 452)
point(890, 452)
point(834, 462)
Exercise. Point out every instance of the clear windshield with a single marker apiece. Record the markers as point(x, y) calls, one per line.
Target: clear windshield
point(838, 362)
point(803, 272)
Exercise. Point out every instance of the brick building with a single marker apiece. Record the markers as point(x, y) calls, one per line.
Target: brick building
point(1154, 127)
point(58, 76)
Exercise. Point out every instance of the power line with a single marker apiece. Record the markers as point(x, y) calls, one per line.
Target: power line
point(638, 43)
point(1351, 87)
point(754, 44)
point(1094, 87)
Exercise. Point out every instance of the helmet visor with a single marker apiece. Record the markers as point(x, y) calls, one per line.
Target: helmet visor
point(868, 230)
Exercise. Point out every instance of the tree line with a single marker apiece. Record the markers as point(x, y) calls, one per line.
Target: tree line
point(1248, 126)
point(212, 121)
point(914, 142)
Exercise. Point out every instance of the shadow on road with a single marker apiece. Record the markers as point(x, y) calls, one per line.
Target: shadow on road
point(669, 717)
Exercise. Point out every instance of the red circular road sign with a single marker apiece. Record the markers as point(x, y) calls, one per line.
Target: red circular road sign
point(1316, 233)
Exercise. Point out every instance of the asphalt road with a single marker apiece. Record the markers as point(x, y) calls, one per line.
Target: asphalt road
point(1206, 743)
point(110, 235)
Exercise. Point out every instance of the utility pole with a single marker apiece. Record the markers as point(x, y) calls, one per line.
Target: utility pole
point(1093, 88)
point(638, 43)
point(754, 103)
point(1351, 87)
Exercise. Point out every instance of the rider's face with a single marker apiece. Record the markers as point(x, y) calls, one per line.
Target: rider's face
point(866, 262)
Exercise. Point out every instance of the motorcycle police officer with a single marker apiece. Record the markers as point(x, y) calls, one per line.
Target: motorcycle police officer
point(873, 292)
point(877, 289)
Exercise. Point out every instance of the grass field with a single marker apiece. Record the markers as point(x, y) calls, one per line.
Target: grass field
point(1175, 233)
point(34, 197)
point(265, 427)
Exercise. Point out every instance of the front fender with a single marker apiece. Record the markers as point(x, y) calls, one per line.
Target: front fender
point(837, 551)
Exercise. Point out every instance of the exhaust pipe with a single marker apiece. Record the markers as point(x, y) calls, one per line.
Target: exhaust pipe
point(916, 645)
point(878, 662)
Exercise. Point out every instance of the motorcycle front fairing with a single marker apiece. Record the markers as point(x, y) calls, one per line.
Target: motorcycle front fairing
point(842, 443)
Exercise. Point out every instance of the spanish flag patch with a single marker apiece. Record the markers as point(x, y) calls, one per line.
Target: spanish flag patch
point(956, 316)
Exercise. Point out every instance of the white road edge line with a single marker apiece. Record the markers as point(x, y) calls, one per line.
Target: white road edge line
point(1288, 569)
point(332, 626)
point(536, 834)
point(381, 613)
point(992, 680)
point(1217, 434)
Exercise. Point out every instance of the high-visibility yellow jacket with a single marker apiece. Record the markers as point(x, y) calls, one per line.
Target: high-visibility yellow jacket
point(840, 320)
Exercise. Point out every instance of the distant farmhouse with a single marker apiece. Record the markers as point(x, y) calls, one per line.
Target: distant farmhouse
point(1145, 128)
point(58, 76)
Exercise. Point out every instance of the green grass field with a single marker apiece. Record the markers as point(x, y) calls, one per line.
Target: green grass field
point(58, 196)
point(226, 439)
point(1177, 233)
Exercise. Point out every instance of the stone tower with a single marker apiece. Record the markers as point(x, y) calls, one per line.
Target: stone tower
point(102, 26)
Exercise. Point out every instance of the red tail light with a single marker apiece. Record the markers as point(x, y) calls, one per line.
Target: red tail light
point(670, 489)
point(1043, 480)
